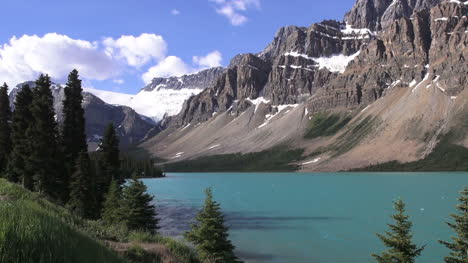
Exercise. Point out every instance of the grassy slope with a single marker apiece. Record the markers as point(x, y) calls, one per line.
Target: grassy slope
point(323, 124)
point(277, 159)
point(446, 156)
point(35, 230)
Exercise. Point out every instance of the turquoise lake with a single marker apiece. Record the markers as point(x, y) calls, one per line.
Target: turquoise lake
point(323, 218)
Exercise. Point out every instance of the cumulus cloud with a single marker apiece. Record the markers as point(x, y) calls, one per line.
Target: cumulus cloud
point(211, 60)
point(137, 51)
point(170, 66)
point(175, 66)
point(25, 57)
point(175, 12)
point(233, 9)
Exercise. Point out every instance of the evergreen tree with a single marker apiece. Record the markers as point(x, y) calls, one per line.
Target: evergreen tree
point(73, 130)
point(44, 159)
point(80, 201)
point(112, 210)
point(398, 240)
point(5, 129)
point(459, 246)
point(138, 211)
point(108, 166)
point(210, 235)
point(22, 120)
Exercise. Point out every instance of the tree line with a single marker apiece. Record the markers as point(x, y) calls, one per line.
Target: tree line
point(52, 159)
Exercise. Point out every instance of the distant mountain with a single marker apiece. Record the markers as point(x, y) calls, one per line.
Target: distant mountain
point(163, 96)
point(136, 117)
point(131, 126)
point(388, 83)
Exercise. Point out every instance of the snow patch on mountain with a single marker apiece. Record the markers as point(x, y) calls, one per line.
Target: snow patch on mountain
point(154, 104)
point(336, 63)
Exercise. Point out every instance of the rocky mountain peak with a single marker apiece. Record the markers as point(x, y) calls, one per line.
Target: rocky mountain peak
point(198, 80)
point(379, 14)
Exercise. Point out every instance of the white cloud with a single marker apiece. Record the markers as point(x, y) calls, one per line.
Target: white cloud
point(232, 9)
point(118, 81)
point(175, 12)
point(175, 66)
point(137, 51)
point(211, 60)
point(25, 57)
point(170, 66)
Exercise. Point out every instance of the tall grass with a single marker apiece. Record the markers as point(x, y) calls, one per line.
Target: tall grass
point(30, 234)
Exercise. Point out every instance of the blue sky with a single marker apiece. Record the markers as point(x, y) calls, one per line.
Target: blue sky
point(89, 35)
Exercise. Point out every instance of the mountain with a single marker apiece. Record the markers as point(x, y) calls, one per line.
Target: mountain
point(388, 83)
point(131, 126)
point(134, 116)
point(163, 95)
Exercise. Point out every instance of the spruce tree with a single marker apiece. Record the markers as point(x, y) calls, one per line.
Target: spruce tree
point(138, 211)
point(5, 129)
point(398, 240)
point(210, 235)
point(459, 244)
point(81, 198)
point(22, 120)
point(112, 208)
point(73, 129)
point(108, 163)
point(44, 159)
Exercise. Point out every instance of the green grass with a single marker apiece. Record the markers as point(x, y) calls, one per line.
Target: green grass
point(34, 230)
point(31, 233)
point(276, 159)
point(177, 248)
point(354, 135)
point(323, 124)
point(137, 254)
point(445, 157)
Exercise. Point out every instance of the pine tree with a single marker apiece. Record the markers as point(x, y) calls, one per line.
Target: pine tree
point(139, 213)
point(108, 163)
point(73, 129)
point(398, 240)
point(5, 129)
point(112, 210)
point(459, 246)
point(210, 235)
point(81, 199)
point(22, 120)
point(44, 159)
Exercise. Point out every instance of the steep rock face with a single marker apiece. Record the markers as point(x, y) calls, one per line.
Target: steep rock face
point(131, 127)
point(290, 69)
point(199, 80)
point(449, 47)
point(379, 14)
point(427, 45)
point(244, 80)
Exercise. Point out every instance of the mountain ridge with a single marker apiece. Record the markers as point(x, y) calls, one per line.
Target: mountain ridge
point(393, 83)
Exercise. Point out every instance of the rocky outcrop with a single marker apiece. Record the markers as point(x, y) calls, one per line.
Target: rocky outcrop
point(379, 14)
point(427, 45)
point(200, 80)
point(246, 79)
point(131, 127)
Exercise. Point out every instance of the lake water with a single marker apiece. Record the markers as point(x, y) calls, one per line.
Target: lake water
point(323, 218)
